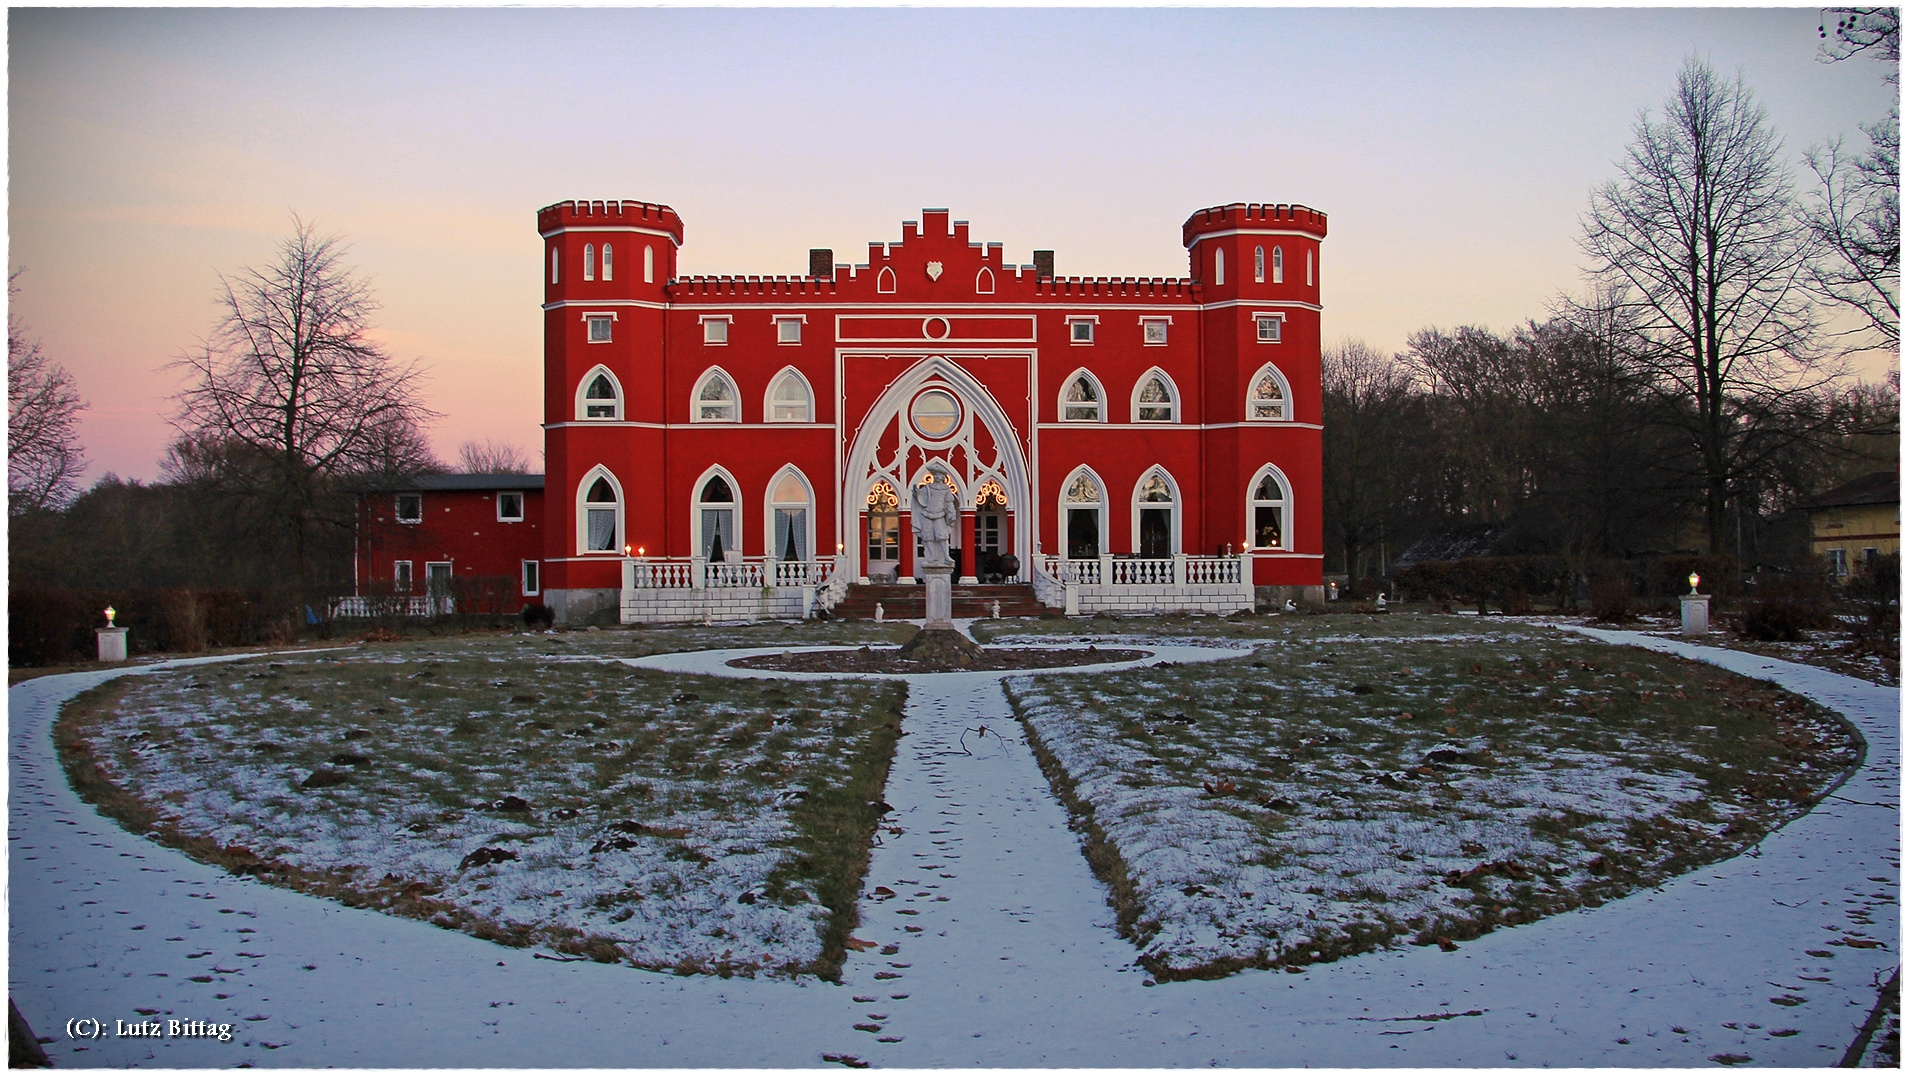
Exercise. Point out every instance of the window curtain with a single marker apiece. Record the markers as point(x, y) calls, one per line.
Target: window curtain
point(791, 533)
point(718, 532)
point(602, 525)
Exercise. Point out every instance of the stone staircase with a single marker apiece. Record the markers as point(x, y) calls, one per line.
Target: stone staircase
point(909, 601)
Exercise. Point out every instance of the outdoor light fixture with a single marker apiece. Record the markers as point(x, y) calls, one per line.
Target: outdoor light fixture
point(1693, 580)
point(110, 613)
point(839, 547)
point(626, 550)
point(639, 551)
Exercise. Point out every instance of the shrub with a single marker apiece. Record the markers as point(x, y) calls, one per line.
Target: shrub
point(538, 615)
point(1781, 609)
point(1610, 597)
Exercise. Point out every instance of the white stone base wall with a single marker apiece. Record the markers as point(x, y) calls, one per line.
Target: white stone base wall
point(1273, 599)
point(582, 605)
point(1220, 598)
point(686, 606)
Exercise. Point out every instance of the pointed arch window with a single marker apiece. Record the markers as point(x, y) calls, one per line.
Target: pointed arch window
point(1278, 265)
point(1269, 508)
point(884, 530)
point(556, 262)
point(649, 265)
point(1258, 265)
point(1268, 399)
point(715, 398)
point(608, 268)
point(1154, 516)
point(1308, 269)
point(1218, 265)
point(884, 283)
point(716, 511)
point(1084, 506)
point(790, 400)
point(984, 281)
point(589, 261)
point(788, 517)
point(1155, 401)
point(601, 398)
point(1083, 400)
point(602, 512)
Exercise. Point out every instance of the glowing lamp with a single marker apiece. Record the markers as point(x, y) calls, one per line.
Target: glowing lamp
point(110, 613)
point(639, 551)
point(626, 550)
point(1693, 580)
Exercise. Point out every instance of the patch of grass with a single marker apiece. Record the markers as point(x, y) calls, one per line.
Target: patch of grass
point(689, 823)
point(1417, 778)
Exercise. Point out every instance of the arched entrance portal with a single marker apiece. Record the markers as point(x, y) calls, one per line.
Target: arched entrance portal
point(937, 419)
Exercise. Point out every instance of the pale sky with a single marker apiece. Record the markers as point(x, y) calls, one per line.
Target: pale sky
point(1454, 151)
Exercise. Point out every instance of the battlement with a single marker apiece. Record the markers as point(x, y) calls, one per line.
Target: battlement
point(732, 286)
point(626, 213)
point(1253, 215)
point(1114, 287)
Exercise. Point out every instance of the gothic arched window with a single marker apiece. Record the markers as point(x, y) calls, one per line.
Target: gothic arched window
point(716, 399)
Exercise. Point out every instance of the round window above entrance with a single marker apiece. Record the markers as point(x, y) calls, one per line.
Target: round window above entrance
point(935, 414)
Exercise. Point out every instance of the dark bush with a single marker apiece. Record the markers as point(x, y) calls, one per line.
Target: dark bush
point(1780, 609)
point(538, 615)
point(1610, 598)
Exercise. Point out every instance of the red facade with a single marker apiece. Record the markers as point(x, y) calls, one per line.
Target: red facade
point(755, 417)
point(473, 537)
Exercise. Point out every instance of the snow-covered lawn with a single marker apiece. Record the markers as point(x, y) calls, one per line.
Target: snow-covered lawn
point(1357, 783)
point(520, 788)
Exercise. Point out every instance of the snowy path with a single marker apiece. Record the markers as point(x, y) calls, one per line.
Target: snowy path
point(1666, 970)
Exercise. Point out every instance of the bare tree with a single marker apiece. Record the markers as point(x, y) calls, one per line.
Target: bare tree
point(492, 457)
point(44, 457)
point(293, 393)
point(1366, 396)
point(1703, 245)
point(1856, 212)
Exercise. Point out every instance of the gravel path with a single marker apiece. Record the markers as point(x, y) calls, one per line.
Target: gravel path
point(1018, 965)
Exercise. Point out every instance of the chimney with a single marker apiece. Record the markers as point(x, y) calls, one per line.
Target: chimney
point(1043, 264)
point(821, 263)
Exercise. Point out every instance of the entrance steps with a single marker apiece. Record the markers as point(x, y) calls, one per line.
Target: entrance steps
point(909, 601)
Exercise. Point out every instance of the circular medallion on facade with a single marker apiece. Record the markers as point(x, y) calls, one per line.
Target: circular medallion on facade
point(935, 414)
point(935, 328)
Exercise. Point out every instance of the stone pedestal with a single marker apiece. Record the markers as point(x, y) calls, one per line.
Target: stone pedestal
point(940, 596)
point(112, 644)
point(1695, 614)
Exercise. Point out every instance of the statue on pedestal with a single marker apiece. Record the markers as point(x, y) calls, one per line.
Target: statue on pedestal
point(936, 514)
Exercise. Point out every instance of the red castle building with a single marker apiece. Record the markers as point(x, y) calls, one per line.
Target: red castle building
point(734, 447)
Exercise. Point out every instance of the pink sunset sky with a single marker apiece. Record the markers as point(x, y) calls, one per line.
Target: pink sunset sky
point(152, 150)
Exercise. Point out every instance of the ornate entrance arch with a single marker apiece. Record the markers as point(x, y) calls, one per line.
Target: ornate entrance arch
point(937, 415)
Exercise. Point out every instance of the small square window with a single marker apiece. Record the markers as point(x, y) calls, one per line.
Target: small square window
point(510, 507)
point(531, 582)
point(788, 331)
point(1082, 332)
point(1269, 330)
point(715, 331)
point(599, 330)
point(410, 508)
point(1155, 332)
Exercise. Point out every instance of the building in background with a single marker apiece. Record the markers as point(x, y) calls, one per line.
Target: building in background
point(1857, 521)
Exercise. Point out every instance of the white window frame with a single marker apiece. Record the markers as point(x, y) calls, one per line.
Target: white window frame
point(1278, 265)
point(984, 281)
point(508, 493)
point(1218, 266)
point(556, 264)
point(1285, 514)
point(593, 318)
point(1285, 387)
point(715, 329)
point(784, 323)
point(583, 401)
point(450, 576)
point(406, 576)
point(1178, 402)
point(735, 397)
point(884, 281)
point(530, 578)
point(1258, 265)
point(1172, 487)
point(1099, 405)
point(1148, 324)
point(1309, 279)
point(1065, 506)
point(770, 504)
point(781, 377)
point(583, 505)
point(649, 263)
point(607, 264)
point(589, 261)
point(1837, 561)
point(1259, 319)
point(1082, 321)
point(735, 506)
point(397, 509)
